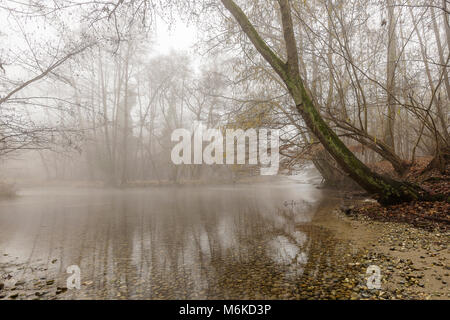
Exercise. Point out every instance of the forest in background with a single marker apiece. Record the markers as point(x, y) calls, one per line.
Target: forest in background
point(358, 88)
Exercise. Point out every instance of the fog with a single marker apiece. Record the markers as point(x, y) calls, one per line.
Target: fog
point(92, 92)
point(188, 142)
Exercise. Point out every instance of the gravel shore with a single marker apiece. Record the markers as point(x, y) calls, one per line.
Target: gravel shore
point(414, 262)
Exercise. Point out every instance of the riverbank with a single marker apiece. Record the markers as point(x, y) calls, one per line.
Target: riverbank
point(429, 215)
point(408, 242)
point(308, 178)
point(414, 262)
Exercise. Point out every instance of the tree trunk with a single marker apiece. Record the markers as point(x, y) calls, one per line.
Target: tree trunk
point(387, 191)
point(390, 76)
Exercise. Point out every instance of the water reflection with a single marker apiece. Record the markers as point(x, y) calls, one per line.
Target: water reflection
point(178, 243)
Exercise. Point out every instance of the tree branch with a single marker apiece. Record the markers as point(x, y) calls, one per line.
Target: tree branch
point(44, 73)
point(276, 63)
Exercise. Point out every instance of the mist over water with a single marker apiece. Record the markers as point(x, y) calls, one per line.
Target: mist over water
point(172, 242)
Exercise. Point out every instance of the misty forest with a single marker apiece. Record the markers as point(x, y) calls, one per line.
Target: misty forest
point(91, 93)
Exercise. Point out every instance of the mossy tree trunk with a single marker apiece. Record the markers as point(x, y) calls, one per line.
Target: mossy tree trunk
point(386, 190)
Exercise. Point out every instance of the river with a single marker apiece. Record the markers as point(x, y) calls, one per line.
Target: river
point(244, 241)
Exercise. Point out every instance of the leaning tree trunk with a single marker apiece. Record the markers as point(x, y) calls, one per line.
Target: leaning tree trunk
point(387, 191)
point(332, 175)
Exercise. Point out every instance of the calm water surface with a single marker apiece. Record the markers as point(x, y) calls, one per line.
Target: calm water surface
point(242, 241)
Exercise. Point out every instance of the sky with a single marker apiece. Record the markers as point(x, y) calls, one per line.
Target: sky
point(177, 37)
